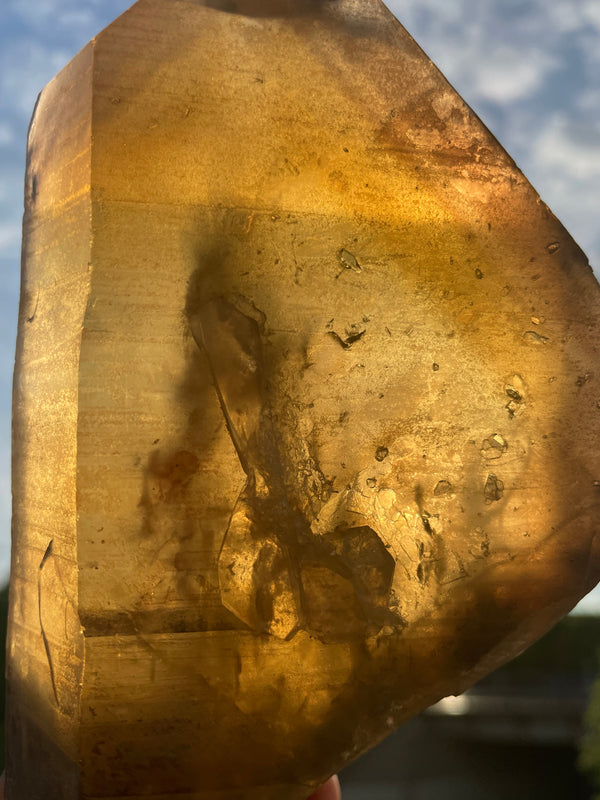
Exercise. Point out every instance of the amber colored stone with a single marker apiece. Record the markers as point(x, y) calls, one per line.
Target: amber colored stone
point(306, 423)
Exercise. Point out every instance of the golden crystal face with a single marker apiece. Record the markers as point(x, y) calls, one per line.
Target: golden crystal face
point(306, 408)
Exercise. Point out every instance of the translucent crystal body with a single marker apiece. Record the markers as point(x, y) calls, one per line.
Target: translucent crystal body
point(306, 421)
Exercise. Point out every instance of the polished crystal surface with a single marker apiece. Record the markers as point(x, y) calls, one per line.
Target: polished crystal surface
point(306, 405)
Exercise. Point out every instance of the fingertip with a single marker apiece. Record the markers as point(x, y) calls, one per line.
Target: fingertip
point(336, 788)
point(329, 791)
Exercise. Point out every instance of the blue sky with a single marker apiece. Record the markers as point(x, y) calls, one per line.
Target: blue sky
point(529, 68)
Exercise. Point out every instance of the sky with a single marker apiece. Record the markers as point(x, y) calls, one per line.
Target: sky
point(529, 68)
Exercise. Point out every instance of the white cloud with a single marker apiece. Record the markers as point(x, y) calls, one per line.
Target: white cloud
point(588, 100)
point(590, 603)
point(491, 51)
point(61, 14)
point(10, 237)
point(504, 75)
point(570, 146)
point(57, 30)
point(26, 66)
point(562, 17)
point(560, 154)
point(591, 13)
point(7, 134)
point(588, 43)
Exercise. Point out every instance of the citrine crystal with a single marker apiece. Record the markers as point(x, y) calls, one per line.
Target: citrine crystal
point(306, 422)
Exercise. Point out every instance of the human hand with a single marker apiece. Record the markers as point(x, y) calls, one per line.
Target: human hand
point(329, 791)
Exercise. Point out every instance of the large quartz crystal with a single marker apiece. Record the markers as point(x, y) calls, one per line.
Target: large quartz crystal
point(306, 413)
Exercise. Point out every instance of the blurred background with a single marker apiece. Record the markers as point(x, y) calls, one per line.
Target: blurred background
point(530, 70)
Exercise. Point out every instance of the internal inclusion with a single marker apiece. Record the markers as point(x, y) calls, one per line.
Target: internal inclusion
point(275, 573)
